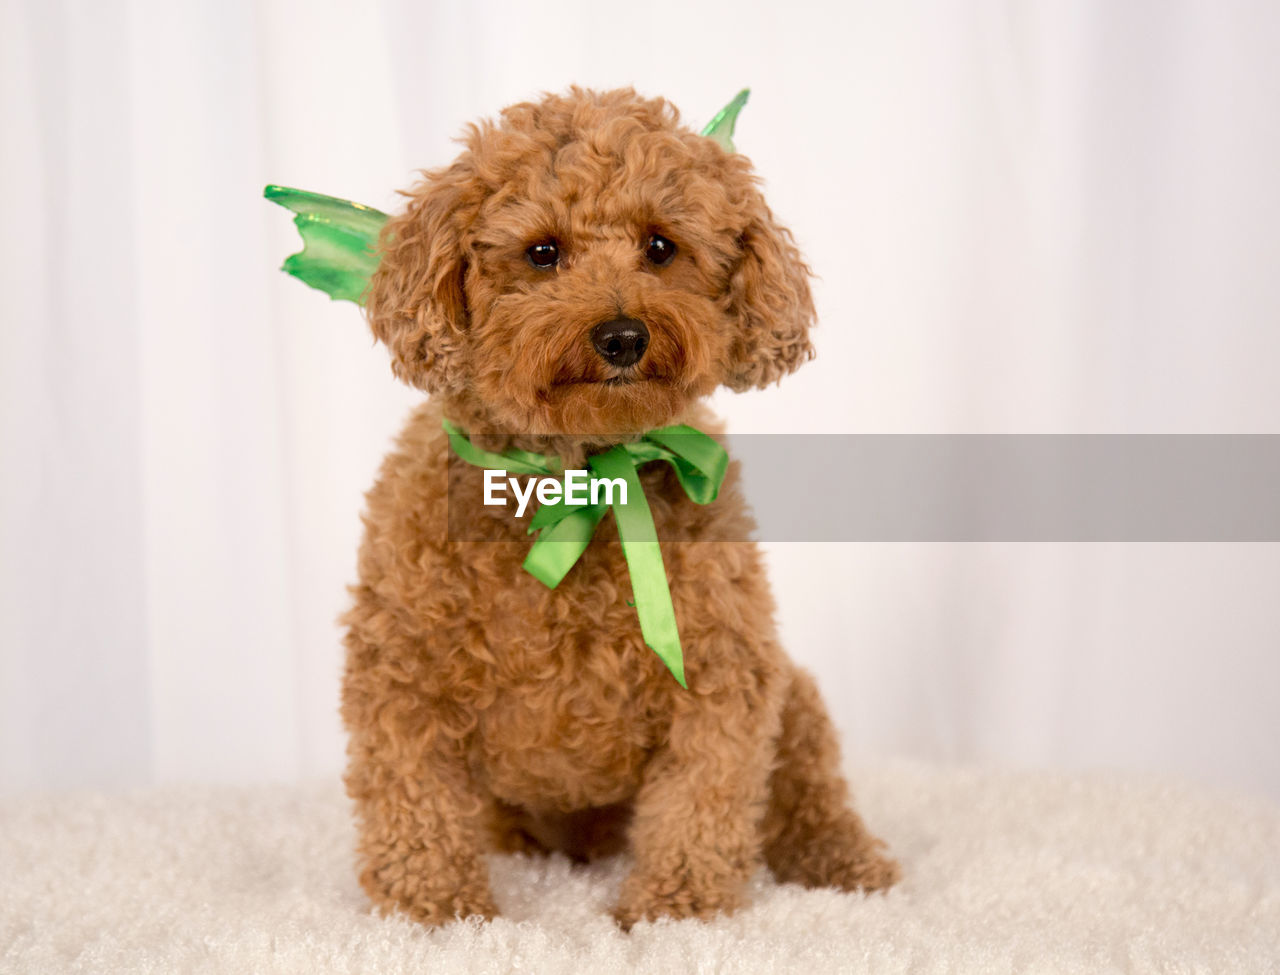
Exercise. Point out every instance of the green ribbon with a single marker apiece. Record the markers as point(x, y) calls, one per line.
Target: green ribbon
point(565, 530)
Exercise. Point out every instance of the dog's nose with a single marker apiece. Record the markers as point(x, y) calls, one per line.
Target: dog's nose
point(620, 342)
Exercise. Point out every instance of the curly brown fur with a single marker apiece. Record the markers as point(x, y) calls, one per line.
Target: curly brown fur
point(488, 712)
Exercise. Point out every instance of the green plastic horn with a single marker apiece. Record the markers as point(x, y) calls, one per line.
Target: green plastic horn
point(340, 238)
point(721, 125)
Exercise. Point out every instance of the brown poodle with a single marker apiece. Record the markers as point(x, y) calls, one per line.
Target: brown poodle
point(586, 270)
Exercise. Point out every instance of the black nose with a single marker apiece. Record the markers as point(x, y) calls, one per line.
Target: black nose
point(620, 342)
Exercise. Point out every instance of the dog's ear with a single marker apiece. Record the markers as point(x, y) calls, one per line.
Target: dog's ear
point(769, 295)
point(416, 303)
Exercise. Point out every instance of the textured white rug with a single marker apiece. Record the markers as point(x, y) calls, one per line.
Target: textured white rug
point(1003, 873)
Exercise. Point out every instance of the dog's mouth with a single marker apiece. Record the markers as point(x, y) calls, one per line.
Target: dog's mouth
point(607, 402)
point(616, 381)
point(611, 381)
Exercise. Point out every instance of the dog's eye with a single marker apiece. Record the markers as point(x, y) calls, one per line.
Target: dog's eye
point(544, 255)
point(659, 250)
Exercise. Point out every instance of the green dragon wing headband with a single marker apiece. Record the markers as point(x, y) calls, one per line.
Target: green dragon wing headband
point(340, 238)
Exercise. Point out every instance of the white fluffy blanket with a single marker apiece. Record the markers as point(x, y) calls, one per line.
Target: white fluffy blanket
point(1003, 873)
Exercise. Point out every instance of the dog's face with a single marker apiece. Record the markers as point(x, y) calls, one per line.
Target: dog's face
point(588, 266)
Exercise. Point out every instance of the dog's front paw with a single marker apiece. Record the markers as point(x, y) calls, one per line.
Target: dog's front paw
point(864, 869)
point(648, 902)
point(849, 860)
point(428, 898)
point(434, 912)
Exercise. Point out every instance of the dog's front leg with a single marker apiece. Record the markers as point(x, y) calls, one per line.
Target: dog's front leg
point(696, 835)
point(421, 829)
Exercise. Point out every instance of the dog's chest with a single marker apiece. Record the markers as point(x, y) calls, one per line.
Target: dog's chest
point(561, 751)
point(578, 700)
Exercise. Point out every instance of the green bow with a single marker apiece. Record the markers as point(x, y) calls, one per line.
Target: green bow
point(565, 530)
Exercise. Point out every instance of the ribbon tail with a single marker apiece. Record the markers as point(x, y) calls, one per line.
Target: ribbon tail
point(559, 546)
point(644, 562)
point(653, 605)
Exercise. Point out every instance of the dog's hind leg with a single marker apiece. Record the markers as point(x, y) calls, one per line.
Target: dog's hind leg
point(811, 834)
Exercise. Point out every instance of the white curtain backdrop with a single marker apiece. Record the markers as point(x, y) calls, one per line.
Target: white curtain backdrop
point(1039, 218)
